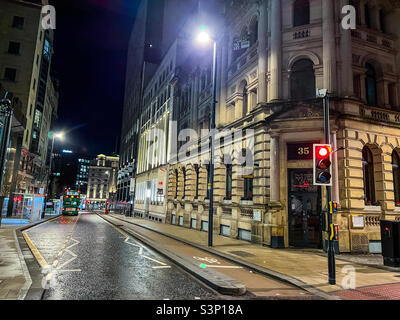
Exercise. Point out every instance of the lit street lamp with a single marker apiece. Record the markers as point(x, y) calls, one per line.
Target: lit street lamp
point(203, 37)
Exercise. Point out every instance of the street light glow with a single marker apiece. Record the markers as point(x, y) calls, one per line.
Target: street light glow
point(59, 135)
point(203, 37)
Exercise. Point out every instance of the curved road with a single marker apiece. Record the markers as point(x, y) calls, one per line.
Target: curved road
point(90, 259)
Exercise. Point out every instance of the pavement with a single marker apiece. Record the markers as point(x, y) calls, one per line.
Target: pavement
point(306, 269)
point(13, 271)
point(15, 279)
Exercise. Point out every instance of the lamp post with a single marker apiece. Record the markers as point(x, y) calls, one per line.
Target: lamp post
point(204, 37)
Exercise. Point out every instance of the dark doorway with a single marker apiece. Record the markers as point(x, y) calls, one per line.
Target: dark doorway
point(304, 209)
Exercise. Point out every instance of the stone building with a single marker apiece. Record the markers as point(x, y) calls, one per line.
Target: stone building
point(102, 181)
point(272, 56)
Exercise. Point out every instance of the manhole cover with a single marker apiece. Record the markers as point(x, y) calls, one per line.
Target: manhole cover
point(242, 254)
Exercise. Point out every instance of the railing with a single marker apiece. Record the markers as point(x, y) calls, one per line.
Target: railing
point(374, 37)
point(243, 60)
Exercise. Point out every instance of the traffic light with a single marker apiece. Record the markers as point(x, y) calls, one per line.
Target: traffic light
point(322, 164)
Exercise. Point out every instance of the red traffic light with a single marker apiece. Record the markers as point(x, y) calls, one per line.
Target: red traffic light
point(324, 151)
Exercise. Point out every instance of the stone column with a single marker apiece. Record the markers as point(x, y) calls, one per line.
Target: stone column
point(274, 164)
point(276, 51)
point(262, 52)
point(329, 46)
point(346, 54)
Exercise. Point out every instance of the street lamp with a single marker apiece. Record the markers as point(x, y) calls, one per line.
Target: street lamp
point(203, 37)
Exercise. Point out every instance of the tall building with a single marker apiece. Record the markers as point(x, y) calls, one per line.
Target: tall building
point(70, 170)
point(25, 65)
point(156, 27)
point(102, 183)
point(271, 57)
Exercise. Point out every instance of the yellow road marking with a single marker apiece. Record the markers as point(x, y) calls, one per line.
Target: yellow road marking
point(55, 263)
point(43, 263)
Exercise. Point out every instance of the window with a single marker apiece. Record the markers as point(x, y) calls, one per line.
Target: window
point(302, 80)
point(253, 32)
point(10, 74)
point(301, 13)
point(367, 14)
point(248, 188)
point(396, 176)
point(228, 185)
point(18, 22)
point(382, 21)
point(13, 47)
point(370, 85)
point(368, 173)
point(245, 99)
point(176, 183)
point(197, 171)
point(184, 181)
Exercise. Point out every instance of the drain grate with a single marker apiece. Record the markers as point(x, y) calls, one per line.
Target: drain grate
point(242, 253)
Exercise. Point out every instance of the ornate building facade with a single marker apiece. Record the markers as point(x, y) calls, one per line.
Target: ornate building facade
point(272, 56)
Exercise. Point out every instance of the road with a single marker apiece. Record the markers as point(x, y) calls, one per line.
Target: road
point(91, 259)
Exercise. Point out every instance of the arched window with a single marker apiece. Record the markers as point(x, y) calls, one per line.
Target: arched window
point(301, 13)
point(245, 98)
point(302, 80)
point(396, 176)
point(176, 183)
point(197, 171)
point(368, 173)
point(228, 181)
point(370, 85)
point(253, 32)
point(184, 182)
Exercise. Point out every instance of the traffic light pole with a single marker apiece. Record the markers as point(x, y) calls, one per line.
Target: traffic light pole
point(331, 250)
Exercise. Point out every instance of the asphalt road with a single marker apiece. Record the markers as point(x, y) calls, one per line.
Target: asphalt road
point(90, 259)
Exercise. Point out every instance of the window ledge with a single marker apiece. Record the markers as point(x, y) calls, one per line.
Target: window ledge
point(370, 208)
point(226, 201)
point(247, 202)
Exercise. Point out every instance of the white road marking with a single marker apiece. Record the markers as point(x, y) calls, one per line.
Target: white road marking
point(161, 267)
point(71, 270)
point(226, 267)
point(162, 263)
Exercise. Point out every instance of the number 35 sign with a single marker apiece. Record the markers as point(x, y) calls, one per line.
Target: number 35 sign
point(299, 151)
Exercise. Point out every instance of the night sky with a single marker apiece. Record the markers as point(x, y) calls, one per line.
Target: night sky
point(90, 46)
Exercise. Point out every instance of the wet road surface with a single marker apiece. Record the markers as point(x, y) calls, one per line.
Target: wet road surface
point(90, 259)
